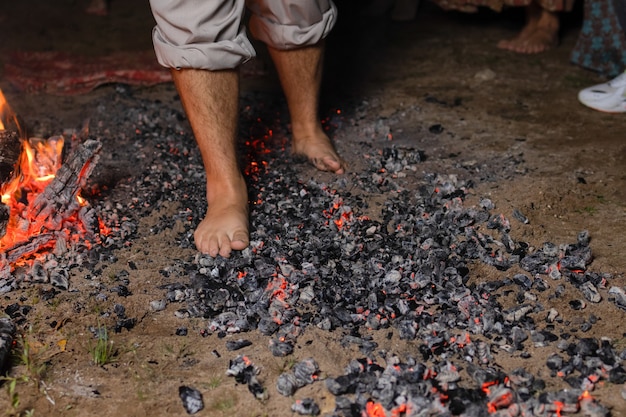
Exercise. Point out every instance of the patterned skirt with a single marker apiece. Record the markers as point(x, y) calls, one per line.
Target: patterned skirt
point(601, 44)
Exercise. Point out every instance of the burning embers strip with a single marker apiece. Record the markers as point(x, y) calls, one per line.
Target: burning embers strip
point(42, 211)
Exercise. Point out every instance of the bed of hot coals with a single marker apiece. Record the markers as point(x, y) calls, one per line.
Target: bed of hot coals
point(317, 259)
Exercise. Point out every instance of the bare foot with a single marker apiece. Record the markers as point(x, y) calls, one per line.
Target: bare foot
point(540, 33)
point(225, 226)
point(538, 41)
point(319, 150)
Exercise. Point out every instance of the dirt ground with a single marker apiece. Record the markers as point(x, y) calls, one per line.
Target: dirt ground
point(439, 69)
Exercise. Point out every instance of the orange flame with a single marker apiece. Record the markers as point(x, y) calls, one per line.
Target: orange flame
point(6, 114)
point(36, 167)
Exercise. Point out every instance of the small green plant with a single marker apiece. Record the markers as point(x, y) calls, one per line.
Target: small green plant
point(288, 364)
point(224, 404)
point(103, 352)
point(590, 210)
point(215, 382)
point(24, 356)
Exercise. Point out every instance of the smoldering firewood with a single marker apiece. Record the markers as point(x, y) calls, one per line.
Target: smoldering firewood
point(58, 200)
point(10, 145)
point(32, 245)
point(7, 334)
point(4, 219)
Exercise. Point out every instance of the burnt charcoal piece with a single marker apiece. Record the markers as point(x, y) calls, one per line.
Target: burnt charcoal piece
point(4, 218)
point(126, 323)
point(244, 372)
point(523, 281)
point(590, 292)
point(287, 384)
point(281, 348)
point(304, 372)
point(191, 398)
point(618, 296)
point(517, 215)
point(436, 129)
point(586, 347)
point(617, 375)
point(13, 310)
point(306, 407)
point(60, 278)
point(10, 145)
point(237, 344)
point(343, 384)
point(554, 362)
point(7, 334)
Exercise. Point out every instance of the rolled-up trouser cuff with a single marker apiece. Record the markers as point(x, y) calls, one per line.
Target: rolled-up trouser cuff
point(289, 25)
point(200, 34)
point(220, 55)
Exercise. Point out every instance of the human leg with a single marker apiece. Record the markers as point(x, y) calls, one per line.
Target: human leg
point(203, 43)
point(538, 35)
point(294, 32)
point(210, 100)
point(300, 73)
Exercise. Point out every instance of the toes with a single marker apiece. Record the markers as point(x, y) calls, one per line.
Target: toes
point(330, 163)
point(213, 247)
point(225, 250)
point(240, 240)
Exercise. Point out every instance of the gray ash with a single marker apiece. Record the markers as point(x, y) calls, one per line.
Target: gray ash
point(317, 259)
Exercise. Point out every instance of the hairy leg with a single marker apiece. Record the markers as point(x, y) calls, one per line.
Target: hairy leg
point(210, 100)
point(540, 33)
point(300, 73)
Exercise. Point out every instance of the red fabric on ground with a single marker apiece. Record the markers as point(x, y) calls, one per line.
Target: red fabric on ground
point(61, 73)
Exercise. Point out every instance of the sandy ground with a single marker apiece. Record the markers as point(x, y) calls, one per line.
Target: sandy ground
point(440, 69)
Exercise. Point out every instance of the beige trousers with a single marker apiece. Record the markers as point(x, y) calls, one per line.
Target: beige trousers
point(210, 34)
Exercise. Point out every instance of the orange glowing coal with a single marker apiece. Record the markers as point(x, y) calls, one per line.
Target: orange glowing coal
point(36, 167)
point(38, 162)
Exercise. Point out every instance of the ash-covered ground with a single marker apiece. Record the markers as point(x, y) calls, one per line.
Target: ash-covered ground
point(469, 263)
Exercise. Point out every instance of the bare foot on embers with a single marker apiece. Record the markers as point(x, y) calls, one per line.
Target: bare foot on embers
point(225, 226)
point(540, 33)
point(320, 152)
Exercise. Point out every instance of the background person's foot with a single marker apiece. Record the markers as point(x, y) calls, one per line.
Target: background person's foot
point(540, 40)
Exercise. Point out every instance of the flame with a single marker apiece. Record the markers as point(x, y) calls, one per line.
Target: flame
point(37, 165)
point(8, 116)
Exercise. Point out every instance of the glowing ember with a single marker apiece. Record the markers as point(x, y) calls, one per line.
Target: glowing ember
point(36, 168)
point(43, 197)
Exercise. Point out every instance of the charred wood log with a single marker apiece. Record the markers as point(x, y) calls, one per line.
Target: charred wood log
point(32, 245)
point(4, 219)
point(10, 145)
point(58, 201)
point(7, 333)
